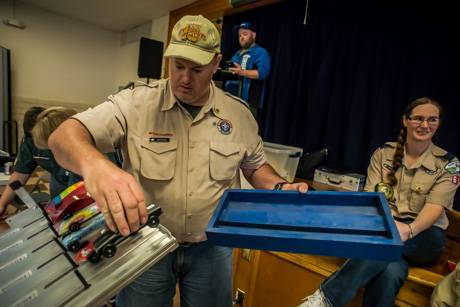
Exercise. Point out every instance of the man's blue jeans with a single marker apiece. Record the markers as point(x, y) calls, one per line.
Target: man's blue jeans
point(203, 271)
point(382, 280)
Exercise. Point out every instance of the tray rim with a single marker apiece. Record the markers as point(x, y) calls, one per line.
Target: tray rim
point(215, 233)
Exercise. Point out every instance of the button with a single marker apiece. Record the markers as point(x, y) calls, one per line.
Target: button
point(217, 110)
point(191, 169)
point(190, 194)
point(189, 216)
point(189, 233)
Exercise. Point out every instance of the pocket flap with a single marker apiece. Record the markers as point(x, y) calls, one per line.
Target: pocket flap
point(225, 149)
point(421, 187)
point(159, 147)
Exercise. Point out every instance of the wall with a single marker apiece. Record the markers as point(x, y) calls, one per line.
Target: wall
point(127, 56)
point(55, 57)
point(57, 60)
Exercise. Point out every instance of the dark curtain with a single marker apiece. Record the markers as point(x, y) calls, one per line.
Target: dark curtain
point(342, 80)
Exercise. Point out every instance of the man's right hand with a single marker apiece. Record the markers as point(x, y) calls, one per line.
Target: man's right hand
point(118, 195)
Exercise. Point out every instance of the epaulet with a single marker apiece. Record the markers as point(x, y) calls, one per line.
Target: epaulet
point(133, 84)
point(441, 153)
point(388, 145)
point(141, 83)
point(237, 98)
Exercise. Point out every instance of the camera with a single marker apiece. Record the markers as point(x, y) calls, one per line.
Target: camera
point(228, 64)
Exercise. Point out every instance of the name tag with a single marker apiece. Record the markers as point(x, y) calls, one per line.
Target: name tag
point(158, 140)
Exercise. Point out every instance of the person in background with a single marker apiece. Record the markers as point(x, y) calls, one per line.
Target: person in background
point(447, 291)
point(183, 141)
point(33, 152)
point(252, 64)
point(419, 180)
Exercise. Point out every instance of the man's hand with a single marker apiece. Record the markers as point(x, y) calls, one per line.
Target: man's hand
point(118, 195)
point(301, 187)
point(236, 69)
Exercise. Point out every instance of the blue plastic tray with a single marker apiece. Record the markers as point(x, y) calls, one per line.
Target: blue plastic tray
point(344, 224)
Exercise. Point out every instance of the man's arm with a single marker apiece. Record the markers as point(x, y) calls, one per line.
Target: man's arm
point(116, 192)
point(265, 177)
point(247, 73)
point(262, 64)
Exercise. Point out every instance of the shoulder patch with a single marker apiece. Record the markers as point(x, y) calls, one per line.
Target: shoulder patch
point(237, 98)
point(453, 166)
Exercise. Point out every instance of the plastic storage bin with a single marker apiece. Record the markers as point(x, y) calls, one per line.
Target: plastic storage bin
point(284, 159)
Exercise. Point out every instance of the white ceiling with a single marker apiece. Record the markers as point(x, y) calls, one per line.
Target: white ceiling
point(115, 15)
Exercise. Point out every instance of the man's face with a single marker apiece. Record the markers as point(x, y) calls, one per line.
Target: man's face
point(190, 81)
point(246, 37)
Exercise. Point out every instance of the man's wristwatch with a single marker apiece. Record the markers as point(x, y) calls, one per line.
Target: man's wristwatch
point(279, 186)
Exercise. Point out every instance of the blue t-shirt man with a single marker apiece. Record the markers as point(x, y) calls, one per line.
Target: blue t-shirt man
point(252, 64)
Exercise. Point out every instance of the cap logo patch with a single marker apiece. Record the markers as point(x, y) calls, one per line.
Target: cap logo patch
point(192, 33)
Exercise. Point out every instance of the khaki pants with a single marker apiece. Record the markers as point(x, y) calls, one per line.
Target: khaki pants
point(447, 292)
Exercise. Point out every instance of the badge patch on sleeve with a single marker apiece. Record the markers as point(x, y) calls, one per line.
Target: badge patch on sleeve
point(455, 179)
point(224, 126)
point(386, 189)
point(453, 167)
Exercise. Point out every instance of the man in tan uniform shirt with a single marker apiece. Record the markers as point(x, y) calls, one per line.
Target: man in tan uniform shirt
point(183, 141)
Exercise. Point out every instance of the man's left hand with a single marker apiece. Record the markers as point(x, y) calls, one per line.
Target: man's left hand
point(301, 187)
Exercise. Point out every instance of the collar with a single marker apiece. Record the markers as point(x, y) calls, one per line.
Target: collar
point(427, 159)
point(243, 51)
point(169, 98)
point(215, 101)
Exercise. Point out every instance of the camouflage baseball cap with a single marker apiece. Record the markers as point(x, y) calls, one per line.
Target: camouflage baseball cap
point(194, 38)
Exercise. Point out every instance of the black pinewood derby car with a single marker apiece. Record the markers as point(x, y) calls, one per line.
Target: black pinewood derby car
point(106, 244)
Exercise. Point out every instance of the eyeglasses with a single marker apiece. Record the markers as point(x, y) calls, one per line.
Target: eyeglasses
point(418, 120)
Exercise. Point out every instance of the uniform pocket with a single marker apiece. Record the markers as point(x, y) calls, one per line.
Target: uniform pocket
point(158, 160)
point(224, 160)
point(419, 191)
